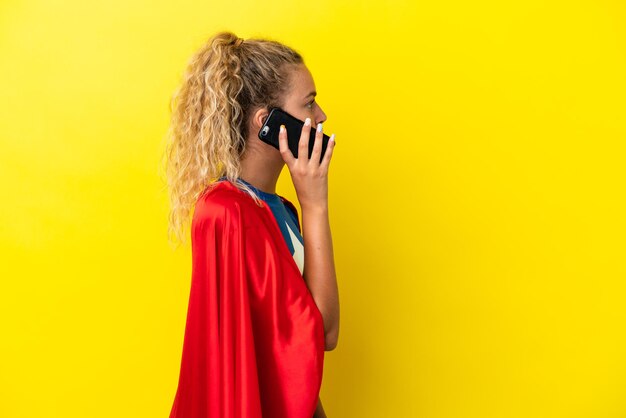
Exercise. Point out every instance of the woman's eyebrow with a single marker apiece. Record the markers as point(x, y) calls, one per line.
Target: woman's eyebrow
point(313, 93)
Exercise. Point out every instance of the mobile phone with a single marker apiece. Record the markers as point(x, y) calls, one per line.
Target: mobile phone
point(271, 127)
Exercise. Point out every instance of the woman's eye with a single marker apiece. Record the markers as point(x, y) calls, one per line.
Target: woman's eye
point(310, 104)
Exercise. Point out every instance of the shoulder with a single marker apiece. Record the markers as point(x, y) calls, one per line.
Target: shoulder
point(221, 201)
point(288, 204)
point(291, 207)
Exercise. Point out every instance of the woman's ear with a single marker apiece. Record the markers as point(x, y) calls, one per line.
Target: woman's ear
point(258, 118)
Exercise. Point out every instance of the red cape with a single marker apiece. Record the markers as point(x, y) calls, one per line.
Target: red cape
point(254, 338)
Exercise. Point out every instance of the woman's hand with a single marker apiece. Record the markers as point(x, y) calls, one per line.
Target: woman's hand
point(309, 175)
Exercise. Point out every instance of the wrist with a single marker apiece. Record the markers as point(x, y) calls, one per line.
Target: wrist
point(316, 208)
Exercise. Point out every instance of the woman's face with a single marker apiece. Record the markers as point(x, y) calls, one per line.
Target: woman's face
point(300, 100)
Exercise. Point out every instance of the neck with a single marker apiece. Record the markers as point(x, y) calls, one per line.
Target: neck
point(261, 166)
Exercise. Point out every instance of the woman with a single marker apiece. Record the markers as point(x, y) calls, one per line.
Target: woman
point(259, 318)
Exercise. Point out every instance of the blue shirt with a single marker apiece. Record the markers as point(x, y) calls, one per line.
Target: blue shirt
point(287, 222)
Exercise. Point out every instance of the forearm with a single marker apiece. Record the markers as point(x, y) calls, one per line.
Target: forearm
point(319, 267)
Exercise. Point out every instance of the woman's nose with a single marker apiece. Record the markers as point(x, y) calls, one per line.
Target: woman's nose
point(321, 118)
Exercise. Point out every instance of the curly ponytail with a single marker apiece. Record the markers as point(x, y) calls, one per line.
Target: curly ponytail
point(225, 81)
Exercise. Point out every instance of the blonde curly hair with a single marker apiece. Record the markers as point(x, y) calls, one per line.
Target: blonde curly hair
point(225, 81)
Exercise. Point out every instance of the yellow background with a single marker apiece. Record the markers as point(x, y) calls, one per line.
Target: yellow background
point(477, 203)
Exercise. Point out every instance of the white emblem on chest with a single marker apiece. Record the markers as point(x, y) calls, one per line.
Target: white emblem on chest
point(298, 255)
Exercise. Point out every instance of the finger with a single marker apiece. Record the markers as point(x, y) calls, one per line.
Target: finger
point(284, 147)
point(303, 143)
point(330, 146)
point(317, 145)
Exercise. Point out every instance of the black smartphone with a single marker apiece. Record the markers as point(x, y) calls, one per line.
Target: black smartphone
point(271, 127)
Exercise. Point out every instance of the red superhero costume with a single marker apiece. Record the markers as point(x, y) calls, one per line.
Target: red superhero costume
point(254, 338)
